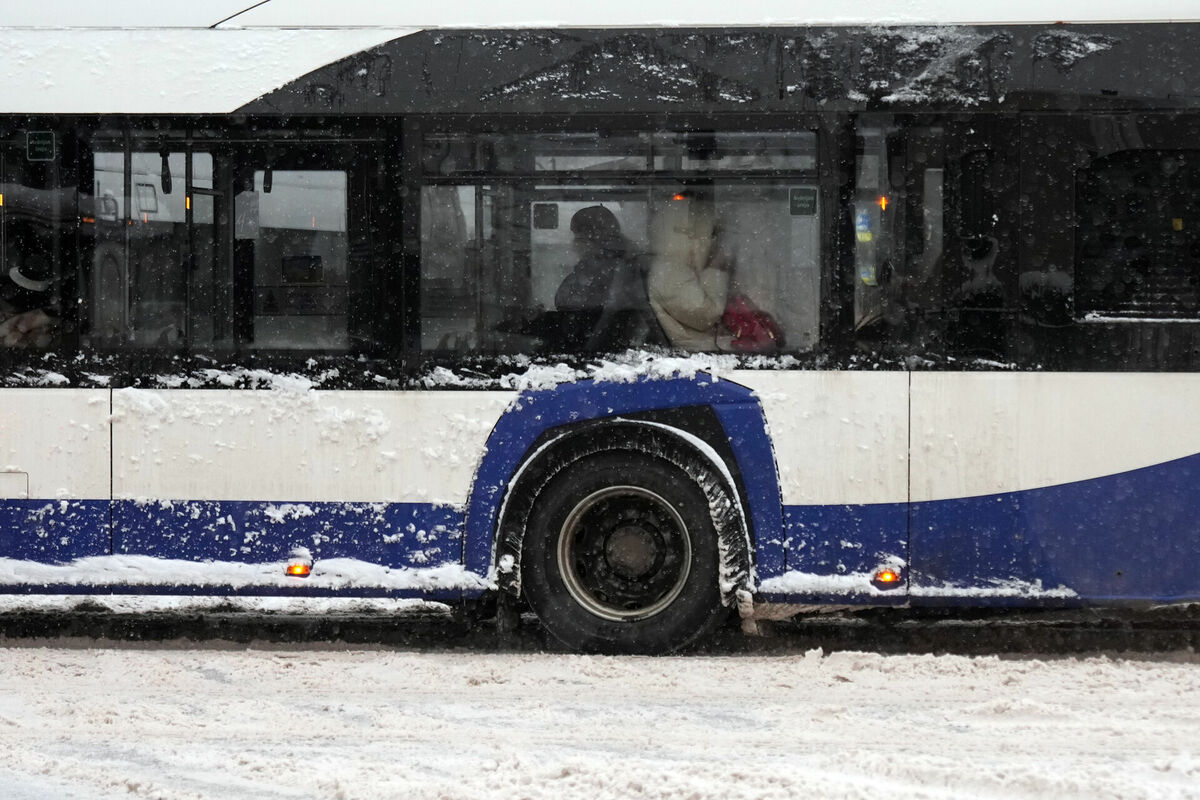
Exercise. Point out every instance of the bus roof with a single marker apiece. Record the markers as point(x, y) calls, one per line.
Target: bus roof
point(559, 14)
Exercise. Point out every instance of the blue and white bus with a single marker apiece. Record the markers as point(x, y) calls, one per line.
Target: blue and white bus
point(638, 326)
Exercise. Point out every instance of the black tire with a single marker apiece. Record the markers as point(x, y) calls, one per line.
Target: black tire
point(620, 556)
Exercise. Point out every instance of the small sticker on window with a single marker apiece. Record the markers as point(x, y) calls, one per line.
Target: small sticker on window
point(802, 201)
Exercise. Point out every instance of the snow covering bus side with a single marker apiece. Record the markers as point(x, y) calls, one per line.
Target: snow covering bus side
point(638, 327)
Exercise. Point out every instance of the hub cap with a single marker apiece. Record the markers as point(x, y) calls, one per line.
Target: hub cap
point(624, 553)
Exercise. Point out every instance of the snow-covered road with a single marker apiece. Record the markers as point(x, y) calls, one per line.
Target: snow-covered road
point(161, 722)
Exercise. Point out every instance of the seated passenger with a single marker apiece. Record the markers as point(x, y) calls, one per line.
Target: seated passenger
point(689, 275)
point(602, 302)
point(27, 318)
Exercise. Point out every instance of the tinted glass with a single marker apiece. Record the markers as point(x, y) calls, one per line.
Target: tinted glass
point(291, 233)
point(36, 217)
point(724, 267)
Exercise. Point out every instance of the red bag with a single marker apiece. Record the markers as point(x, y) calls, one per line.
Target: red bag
point(754, 330)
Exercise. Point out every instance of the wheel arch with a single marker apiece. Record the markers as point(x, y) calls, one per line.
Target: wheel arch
point(684, 449)
point(713, 422)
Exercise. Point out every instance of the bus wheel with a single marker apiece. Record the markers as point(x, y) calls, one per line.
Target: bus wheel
point(621, 556)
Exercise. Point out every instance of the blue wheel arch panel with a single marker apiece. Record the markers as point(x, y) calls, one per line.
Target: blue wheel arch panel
point(537, 411)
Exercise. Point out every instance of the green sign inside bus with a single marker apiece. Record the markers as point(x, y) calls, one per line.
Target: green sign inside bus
point(39, 145)
point(803, 201)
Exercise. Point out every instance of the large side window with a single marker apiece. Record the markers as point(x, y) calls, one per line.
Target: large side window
point(1110, 267)
point(1139, 235)
point(590, 243)
point(224, 245)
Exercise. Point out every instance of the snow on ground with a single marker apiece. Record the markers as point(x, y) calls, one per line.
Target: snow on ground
point(162, 722)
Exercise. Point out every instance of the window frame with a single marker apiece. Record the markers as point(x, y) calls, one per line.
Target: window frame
point(831, 336)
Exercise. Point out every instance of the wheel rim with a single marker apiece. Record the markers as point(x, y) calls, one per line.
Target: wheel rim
point(624, 553)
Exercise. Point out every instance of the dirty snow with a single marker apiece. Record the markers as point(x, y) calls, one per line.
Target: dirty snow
point(331, 573)
point(862, 584)
point(168, 723)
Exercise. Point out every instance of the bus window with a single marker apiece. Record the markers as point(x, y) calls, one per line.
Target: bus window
point(108, 304)
point(35, 216)
point(291, 233)
point(143, 277)
point(139, 261)
point(873, 265)
point(1139, 253)
point(566, 261)
point(620, 267)
point(933, 252)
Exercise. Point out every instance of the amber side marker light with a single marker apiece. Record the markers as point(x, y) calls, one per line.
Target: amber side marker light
point(887, 576)
point(299, 563)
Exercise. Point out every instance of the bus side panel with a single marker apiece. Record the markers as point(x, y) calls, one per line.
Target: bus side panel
point(54, 474)
point(247, 475)
point(1030, 487)
point(846, 539)
point(841, 444)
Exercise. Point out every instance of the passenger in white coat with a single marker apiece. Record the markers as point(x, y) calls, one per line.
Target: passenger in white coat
point(689, 275)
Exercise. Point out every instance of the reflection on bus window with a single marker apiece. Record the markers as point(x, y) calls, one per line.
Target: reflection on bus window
point(293, 240)
point(1139, 246)
point(873, 244)
point(34, 215)
point(139, 276)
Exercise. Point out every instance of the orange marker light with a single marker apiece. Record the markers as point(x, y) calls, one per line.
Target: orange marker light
point(299, 569)
point(1, 199)
point(680, 196)
point(883, 202)
point(187, 201)
point(887, 575)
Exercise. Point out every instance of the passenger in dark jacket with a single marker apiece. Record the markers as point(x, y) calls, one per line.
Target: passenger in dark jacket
point(603, 300)
point(602, 249)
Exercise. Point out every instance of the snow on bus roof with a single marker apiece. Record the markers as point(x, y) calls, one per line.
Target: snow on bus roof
point(555, 13)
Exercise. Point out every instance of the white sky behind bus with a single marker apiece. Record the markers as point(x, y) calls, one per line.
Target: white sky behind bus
point(357, 13)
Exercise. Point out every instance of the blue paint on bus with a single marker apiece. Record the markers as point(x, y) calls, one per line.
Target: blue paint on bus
point(390, 534)
point(746, 428)
point(1118, 537)
point(54, 531)
point(844, 539)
